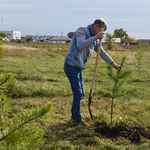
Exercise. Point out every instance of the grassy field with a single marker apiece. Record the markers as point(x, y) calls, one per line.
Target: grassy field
point(39, 78)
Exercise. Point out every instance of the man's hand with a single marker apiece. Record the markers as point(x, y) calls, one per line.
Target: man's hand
point(100, 35)
point(116, 66)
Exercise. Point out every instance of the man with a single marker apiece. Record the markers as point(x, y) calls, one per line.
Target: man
point(84, 41)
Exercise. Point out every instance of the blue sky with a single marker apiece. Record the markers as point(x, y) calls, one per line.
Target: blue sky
point(56, 17)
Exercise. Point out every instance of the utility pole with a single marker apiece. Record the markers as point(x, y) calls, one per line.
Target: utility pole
point(1, 24)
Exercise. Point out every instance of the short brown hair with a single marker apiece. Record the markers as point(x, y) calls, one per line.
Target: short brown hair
point(99, 21)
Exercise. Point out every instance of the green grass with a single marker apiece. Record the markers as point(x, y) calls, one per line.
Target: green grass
point(39, 78)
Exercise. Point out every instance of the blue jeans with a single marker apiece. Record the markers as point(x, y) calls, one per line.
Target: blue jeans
point(75, 77)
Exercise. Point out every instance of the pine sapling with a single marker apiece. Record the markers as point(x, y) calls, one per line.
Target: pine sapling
point(19, 127)
point(141, 54)
point(118, 80)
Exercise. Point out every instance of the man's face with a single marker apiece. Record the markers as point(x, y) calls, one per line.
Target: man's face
point(96, 29)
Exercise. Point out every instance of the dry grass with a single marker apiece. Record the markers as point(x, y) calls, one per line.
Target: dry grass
point(23, 51)
point(44, 80)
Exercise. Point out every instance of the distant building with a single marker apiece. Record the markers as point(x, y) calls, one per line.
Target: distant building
point(132, 44)
point(144, 40)
point(13, 35)
point(117, 41)
point(60, 39)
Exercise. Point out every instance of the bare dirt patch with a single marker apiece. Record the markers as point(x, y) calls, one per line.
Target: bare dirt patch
point(121, 130)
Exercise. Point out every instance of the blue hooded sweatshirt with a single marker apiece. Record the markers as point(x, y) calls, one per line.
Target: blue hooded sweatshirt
point(82, 46)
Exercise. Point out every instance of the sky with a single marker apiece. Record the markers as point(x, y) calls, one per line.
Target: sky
point(59, 17)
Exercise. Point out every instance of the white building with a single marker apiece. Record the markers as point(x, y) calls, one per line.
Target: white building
point(117, 41)
point(60, 39)
point(13, 35)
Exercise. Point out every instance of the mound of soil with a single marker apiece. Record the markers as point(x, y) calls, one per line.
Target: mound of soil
point(121, 130)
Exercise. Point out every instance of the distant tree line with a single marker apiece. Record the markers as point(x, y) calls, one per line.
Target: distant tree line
point(118, 33)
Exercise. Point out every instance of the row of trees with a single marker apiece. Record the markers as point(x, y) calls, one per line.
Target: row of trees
point(118, 33)
point(142, 47)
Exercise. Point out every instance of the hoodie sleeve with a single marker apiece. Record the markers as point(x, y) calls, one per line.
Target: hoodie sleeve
point(82, 40)
point(104, 55)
